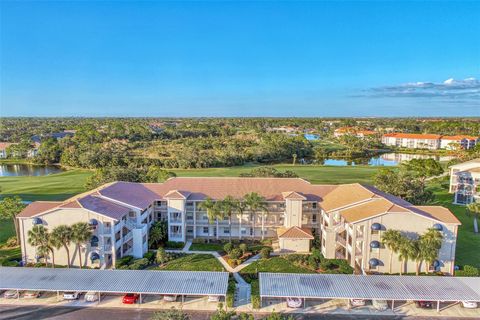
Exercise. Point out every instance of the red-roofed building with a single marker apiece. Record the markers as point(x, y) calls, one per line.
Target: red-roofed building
point(428, 141)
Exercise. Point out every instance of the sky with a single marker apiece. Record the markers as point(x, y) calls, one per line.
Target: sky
point(239, 59)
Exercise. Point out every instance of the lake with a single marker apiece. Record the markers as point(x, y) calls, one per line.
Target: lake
point(12, 170)
point(386, 159)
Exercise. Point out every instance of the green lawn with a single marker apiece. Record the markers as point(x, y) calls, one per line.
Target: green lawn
point(7, 230)
point(468, 243)
point(194, 262)
point(59, 186)
point(274, 264)
point(313, 173)
point(7, 254)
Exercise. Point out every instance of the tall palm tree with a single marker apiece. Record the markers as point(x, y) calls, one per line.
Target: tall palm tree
point(240, 208)
point(430, 243)
point(63, 235)
point(416, 255)
point(81, 234)
point(38, 237)
point(391, 240)
point(473, 209)
point(228, 206)
point(212, 208)
point(254, 203)
point(405, 251)
point(53, 243)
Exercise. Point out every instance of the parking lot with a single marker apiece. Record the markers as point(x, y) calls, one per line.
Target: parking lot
point(341, 306)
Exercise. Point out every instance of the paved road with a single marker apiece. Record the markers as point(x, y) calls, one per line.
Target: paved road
point(68, 313)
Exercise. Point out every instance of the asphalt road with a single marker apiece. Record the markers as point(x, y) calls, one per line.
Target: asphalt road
point(73, 313)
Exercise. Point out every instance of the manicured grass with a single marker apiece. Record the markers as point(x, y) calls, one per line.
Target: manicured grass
point(194, 262)
point(7, 230)
point(59, 186)
point(274, 264)
point(206, 247)
point(9, 254)
point(468, 243)
point(313, 173)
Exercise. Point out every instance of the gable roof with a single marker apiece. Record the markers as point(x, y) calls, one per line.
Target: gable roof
point(344, 195)
point(175, 194)
point(296, 233)
point(293, 195)
point(369, 209)
point(37, 207)
point(130, 193)
point(413, 136)
point(103, 206)
point(439, 213)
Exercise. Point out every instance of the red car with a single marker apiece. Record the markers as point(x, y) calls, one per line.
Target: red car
point(130, 298)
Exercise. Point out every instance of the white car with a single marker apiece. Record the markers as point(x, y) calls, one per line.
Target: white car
point(11, 294)
point(357, 302)
point(469, 304)
point(213, 298)
point(294, 302)
point(91, 296)
point(71, 295)
point(170, 298)
point(31, 294)
point(380, 305)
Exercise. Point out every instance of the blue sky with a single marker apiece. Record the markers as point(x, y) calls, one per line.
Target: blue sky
point(239, 58)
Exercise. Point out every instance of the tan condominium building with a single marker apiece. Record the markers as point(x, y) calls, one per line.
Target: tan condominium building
point(465, 182)
point(347, 219)
point(429, 141)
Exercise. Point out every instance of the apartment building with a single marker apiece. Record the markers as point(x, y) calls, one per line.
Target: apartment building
point(465, 182)
point(3, 149)
point(359, 133)
point(349, 219)
point(429, 141)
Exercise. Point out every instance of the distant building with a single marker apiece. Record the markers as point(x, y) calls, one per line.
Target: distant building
point(465, 182)
point(284, 129)
point(428, 141)
point(359, 133)
point(3, 149)
point(56, 135)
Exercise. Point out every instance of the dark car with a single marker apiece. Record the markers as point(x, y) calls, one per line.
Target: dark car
point(424, 304)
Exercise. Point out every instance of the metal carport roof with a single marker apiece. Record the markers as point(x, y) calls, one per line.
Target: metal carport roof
point(117, 281)
point(332, 286)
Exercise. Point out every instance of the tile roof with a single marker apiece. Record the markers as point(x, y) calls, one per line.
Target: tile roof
point(38, 207)
point(293, 195)
point(413, 136)
point(369, 209)
point(4, 145)
point(439, 213)
point(103, 206)
point(220, 187)
point(459, 137)
point(296, 233)
point(344, 195)
point(130, 193)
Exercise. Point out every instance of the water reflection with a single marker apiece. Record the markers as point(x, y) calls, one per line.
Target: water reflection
point(12, 170)
point(387, 159)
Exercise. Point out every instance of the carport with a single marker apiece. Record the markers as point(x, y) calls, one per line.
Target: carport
point(182, 283)
point(372, 287)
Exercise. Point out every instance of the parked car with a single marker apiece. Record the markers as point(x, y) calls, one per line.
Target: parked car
point(294, 302)
point(357, 302)
point(213, 298)
point(424, 304)
point(11, 294)
point(170, 298)
point(380, 305)
point(91, 296)
point(130, 298)
point(469, 304)
point(71, 295)
point(31, 294)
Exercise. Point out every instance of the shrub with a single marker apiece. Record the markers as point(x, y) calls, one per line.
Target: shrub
point(235, 253)
point(265, 252)
point(172, 314)
point(150, 255)
point(11, 242)
point(124, 261)
point(174, 245)
point(161, 256)
point(139, 264)
point(255, 295)
point(468, 271)
point(312, 262)
point(243, 248)
point(228, 247)
point(230, 292)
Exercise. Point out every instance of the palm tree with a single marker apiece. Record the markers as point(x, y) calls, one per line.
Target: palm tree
point(81, 234)
point(240, 208)
point(53, 244)
point(430, 243)
point(391, 240)
point(228, 205)
point(63, 235)
point(406, 250)
point(254, 203)
point(213, 210)
point(38, 237)
point(473, 209)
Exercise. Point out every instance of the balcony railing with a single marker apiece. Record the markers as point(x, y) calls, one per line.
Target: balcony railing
point(107, 230)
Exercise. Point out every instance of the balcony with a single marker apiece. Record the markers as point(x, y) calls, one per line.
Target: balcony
point(176, 236)
point(107, 230)
point(342, 241)
point(107, 247)
point(339, 255)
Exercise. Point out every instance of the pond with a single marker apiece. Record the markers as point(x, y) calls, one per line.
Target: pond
point(12, 170)
point(386, 159)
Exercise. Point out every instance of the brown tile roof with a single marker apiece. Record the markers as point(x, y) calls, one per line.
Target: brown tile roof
point(130, 193)
point(175, 194)
point(344, 195)
point(413, 136)
point(220, 187)
point(293, 195)
point(103, 206)
point(440, 213)
point(296, 233)
point(38, 207)
point(459, 137)
point(369, 209)
point(71, 204)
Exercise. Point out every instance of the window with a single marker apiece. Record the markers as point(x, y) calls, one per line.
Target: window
point(226, 230)
point(314, 218)
point(314, 205)
point(251, 231)
point(205, 230)
point(243, 231)
point(94, 241)
point(375, 231)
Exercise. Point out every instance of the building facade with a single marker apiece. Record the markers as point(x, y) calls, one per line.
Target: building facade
point(429, 141)
point(465, 182)
point(343, 217)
